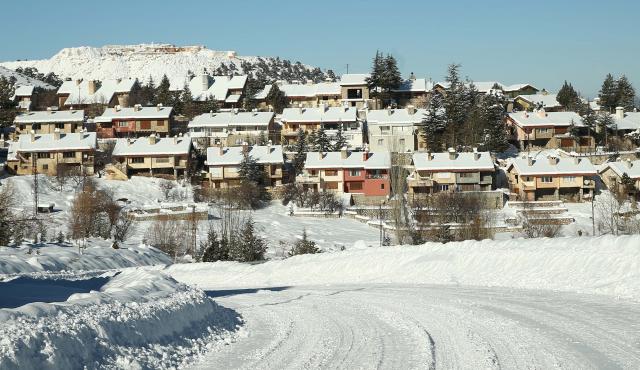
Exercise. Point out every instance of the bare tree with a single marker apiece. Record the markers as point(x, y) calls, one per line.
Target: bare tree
point(167, 235)
point(536, 227)
point(7, 216)
point(123, 228)
point(167, 186)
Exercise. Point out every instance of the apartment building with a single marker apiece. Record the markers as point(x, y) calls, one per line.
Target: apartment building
point(48, 153)
point(354, 90)
point(136, 121)
point(395, 130)
point(451, 171)
point(233, 128)
point(311, 95)
point(365, 173)
point(613, 173)
point(223, 163)
point(550, 177)
point(331, 119)
point(549, 130)
point(46, 122)
point(153, 156)
point(82, 93)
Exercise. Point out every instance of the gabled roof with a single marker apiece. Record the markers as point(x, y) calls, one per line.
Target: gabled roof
point(23, 90)
point(352, 79)
point(631, 121)
point(631, 168)
point(79, 93)
point(415, 85)
point(50, 116)
point(143, 147)
point(541, 166)
point(547, 100)
point(223, 119)
point(229, 156)
point(546, 119)
point(462, 162)
point(262, 94)
point(395, 116)
point(48, 142)
point(118, 113)
point(310, 90)
point(487, 86)
point(375, 160)
point(320, 114)
point(204, 86)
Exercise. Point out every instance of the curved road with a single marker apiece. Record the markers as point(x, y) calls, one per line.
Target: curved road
point(428, 327)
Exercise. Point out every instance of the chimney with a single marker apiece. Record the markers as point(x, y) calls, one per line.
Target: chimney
point(78, 81)
point(411, 109)
point(429, 156)
point(235, 111)
point(343, 152)
point(619, 112)
point(152, 139)
point(49, 110)
point(476, 154)
point(211, 113)
point(33, 135)
point(629, 163)
point(365, 154)
point(300, 108)
point(452, 154)
point(526, 114)
point(541, 113)
point(158, 107)
point(245, 147)
point(204, 80)
point(412, 77)
point(576, 160)
point(56, 134)
point(220, 149)
point(553, 160)
point(270, 148)
point(117, 108)
point(91, 87)
point(129, 141)
point(529, 161)
point(389, 111)
point(137, 107)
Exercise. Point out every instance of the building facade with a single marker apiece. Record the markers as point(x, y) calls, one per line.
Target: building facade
point(223, 164)
point(153, 156)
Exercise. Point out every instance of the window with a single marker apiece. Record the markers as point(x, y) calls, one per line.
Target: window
point(60, 126)
point(443, 175)
point(137, 160)
point(45, 167)
point(381, 186)
point(68, 154)
point(355, 186)
point(160, 123)
point(123, 124)
point(330, 173)
point(546, 179)
point(380, 142)
point(35, 126)
point(444, 187)
point(354, 94)
point(569, 179)
point(354, 172)
point(402, 143)
point(43, 155)
point(325, 98)
point(384, 129)
point(145, 125)
point(466, 174)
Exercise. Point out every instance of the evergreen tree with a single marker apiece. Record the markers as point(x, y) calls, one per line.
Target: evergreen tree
point(604, 123)
point(249, 247)
point(312, 141)
point(7, 106)
point(148, 92)
point(322, 142)
point(568, 97)
point(609, 94)
point(458, 102)
point(300, 149)
point(625, 94)
point(186, 105)
point(340, 141)
point(163, 93)
point(60, 237)
point(376, 77)
point(250, 170)
point(214, 248)
point(262, 138)
point(492, 115)
point(304, 246)
point(210, 105)
point(277, 99)
point(590, 120)
point(627, 182)
point(434, 123)
point(251, 89)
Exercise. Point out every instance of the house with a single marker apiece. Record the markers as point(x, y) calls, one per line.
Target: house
point(233, 128)
point(311, 95)
point(626, 122)
point(261, 97)
point(49, 153)
point(365, 173)
point(134, 121)
point(46, 122)
point(152, 155)
point(521, 89)
point(395, 130)
point(223, 163)
point(550, 177)
point(612, 173)
point(493, 87)
point(82, 93)
point(551, 130)
point(545, 101)
point(331, 119)
point(451, 171)
point(22, 96)
point(414, 91)
point(354, 89)
point(228, 91)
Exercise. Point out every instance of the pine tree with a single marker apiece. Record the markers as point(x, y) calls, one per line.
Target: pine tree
point(187, 106)
point(210, 105)
point(625, 94)
point(304, 246)
point(312, 141)
point(163, 92)
point(214, 248)
point(568, 97)
point(458, 102)
point(60, 237)
point(249, 246)
point(277, 99)
point(250, 170)
point(609, 94)
point(251, 89)
point(148, 92)
point(375, 79)
point(392, 78)
point(322, 142)
point(300, 149)
point(590, 120)
point(605, 122)
point(7, 106)
point(492, 116)
point(340, 141)
point(434, 123)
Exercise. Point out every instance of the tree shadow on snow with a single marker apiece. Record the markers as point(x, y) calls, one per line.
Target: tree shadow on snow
point(232, 292)
point(23, 290)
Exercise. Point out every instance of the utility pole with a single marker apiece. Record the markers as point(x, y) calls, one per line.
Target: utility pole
point(593, 218)
point(380, 218)
point(34, 171)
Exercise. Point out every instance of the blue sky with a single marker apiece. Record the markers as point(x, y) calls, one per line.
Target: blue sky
point(543, 42)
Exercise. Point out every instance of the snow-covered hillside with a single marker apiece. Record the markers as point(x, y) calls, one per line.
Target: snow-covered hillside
point(22, 79)
point(134, 61)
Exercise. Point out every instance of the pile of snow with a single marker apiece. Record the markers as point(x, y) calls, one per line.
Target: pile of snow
point(23, 80)
point(599, 265)
point(30, 258)
point(139, 319)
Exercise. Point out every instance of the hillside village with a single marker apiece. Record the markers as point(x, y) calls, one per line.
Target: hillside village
point(418, 159)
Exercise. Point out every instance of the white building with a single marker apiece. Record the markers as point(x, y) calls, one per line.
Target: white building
point(394, 130)
point(331, 119)
point(232, 128)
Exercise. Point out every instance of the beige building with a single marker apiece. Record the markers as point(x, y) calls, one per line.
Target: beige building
point(135, 121)
point(395, 130)
point(354, 90)
point(312, 95)
point(169, 156)
point(223, 163)
point(549, 130)
point(451, 171)
point(549, 177)
point(612, 174)
point(331, 119)
point(49, 153)
point(46, 122)
point(22, 96)
point(233, 128)
point(82, 93)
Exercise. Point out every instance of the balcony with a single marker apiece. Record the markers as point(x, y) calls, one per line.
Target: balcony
point(308, 179)
point(376, 177)
point(484, 180)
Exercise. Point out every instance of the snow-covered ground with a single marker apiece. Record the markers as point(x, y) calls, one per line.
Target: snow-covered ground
point(22, 79)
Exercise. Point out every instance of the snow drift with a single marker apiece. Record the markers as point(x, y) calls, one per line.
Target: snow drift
point(599, 265)
point(140, 318)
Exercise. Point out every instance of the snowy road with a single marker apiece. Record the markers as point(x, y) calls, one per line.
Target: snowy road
point(428, 327)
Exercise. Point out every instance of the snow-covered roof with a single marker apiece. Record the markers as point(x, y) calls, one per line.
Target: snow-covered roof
point(118, 113)
point(262, 94)
point(375, 160)
point(541, 164)
point(354, 79)
point(80, 92)
point(547, 100)
point(546, 119)
point(204, 86)
point(49, 143)
point(50, 116)
point(631, 121)
point(310, 90)
point(233, 98)
point(479, 161)
point(23, 90)
point(320, 114)
point(631, 168)
point(415, 85)
point(488, 86)
point(395, 116)
point(233, 118)
point(227, 156)
point(143, 146)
